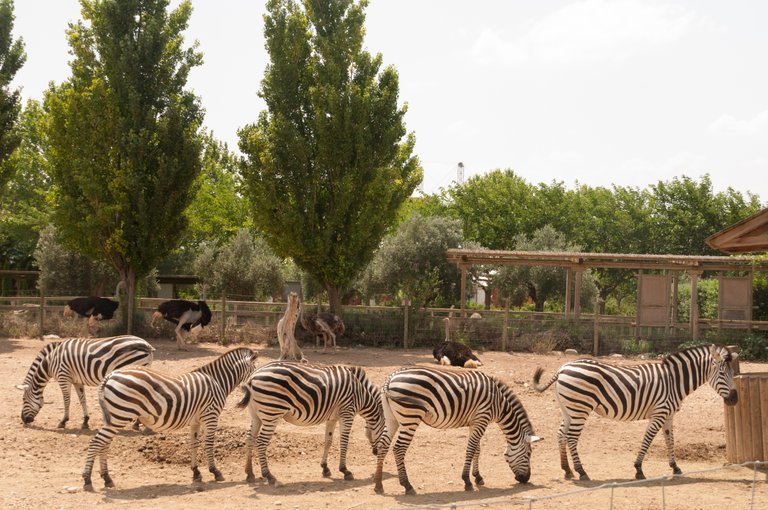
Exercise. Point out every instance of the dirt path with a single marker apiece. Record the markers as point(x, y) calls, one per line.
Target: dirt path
point(43, 464)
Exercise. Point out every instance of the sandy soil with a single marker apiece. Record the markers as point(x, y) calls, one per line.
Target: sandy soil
point(42, 464)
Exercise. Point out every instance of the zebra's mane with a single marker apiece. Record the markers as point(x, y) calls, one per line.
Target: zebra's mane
point(236, 353)
point(697, 349)
point(37, 363)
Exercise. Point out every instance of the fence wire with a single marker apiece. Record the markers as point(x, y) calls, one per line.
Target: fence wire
point(530, 502)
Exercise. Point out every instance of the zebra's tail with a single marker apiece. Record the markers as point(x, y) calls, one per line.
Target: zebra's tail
point(537, 377)
point(246, 397)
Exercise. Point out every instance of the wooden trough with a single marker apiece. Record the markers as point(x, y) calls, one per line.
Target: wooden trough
point(746, 423)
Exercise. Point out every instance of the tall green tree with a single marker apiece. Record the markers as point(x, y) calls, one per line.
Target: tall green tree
point(12, 57)
point(329, 163)
point(26, 209)
point(123, 135)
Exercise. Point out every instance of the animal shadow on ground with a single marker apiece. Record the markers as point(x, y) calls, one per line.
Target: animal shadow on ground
point(665, 481)
point(458, 495)
point(322, 486)
point(161, 489)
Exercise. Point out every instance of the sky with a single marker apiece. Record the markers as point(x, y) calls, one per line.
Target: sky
point(595, 92)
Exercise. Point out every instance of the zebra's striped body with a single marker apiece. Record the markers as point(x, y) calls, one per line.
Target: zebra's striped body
point(79, 362)
point(652, 391)
point(305, 394)
point(450, 398)
point(165, 403)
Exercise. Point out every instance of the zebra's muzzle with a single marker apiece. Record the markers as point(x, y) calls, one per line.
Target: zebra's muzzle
point(523, 478)
point(27, 419)
point(732, 398)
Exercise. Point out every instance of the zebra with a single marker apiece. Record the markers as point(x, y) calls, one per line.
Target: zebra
point(79, 362)
point(166, 403)
point(305, 394)
point(450, 398)
point(653, 391)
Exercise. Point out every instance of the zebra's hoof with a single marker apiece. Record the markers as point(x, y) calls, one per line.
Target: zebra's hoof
point(250, 479)
point(639, 476)
point(410, 492)
point(88, 487)
point(326, 472)
point(378, 488)
point(479, 481)
point(469, 487)
point(584, 477)
point(62, 424)
point(348, 476)
point(218, 477)
point(676, 470)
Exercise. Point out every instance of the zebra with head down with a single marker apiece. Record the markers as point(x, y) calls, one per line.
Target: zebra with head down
point(653, 391)
point(79, 362)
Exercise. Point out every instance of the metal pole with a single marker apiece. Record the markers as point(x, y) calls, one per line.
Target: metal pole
point(406, 303)
point(223, 317)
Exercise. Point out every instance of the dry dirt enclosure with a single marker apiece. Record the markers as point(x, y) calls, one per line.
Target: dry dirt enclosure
point(42, 464)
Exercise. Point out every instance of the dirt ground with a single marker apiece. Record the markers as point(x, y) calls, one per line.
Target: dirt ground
point(43, 464)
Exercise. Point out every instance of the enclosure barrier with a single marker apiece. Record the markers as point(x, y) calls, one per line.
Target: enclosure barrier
point(746, 423)
point(530, 503)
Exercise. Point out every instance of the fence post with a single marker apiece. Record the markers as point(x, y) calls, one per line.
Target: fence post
point(223, 316)
point(504, 334)
point(42, 312)
point(406, 304)
point(596, 333)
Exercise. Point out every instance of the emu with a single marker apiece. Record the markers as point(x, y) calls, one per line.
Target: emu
point(326, 325)
point(185, 314)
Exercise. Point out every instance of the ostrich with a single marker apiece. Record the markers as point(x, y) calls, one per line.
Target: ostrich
point(326, 325)
point(185, 314)
point(454, 353)
point(289, 348)
point(94, 307)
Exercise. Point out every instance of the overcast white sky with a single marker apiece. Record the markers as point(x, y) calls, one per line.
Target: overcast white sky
point(601, 92)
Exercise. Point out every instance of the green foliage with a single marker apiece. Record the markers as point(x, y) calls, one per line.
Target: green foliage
point(633, 347)
point(26, 208)
point(411, 262)
point(66, 273)
point(539, 283)
point(124, 149)
point(754, 347)
point(244, 268)
point(329, 163)
point(12, 57)
point(706, 298)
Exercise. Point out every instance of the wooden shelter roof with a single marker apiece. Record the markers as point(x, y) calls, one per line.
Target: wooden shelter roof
point(747, 236)
point(466, 258)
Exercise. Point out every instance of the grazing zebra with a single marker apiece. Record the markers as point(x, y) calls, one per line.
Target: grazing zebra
point(305, 394)
point(165, 403)
point(79, 362)
point(653, 391)
point(449, 398)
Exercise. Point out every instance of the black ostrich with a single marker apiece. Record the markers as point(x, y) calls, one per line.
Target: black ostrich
point(455, 354)
point(94, 307)
point(185, 314)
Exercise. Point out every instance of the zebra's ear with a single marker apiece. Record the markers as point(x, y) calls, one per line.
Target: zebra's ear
point(532, 439)
point(22, 387)
point(715, 352)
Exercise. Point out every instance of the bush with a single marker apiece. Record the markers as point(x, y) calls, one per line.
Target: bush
point(754, 347)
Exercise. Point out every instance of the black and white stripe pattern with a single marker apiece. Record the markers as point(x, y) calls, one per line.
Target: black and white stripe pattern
point(79, 362)
point(652, 391)
point(305, 394)
point(450, 398)
point(166, 403)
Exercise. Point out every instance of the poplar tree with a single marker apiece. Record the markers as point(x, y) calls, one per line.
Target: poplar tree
point(123, 135)
point(329, 163)
point(12, 57)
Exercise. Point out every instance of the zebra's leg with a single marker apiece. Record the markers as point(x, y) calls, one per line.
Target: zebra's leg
point(344, 431)
point(255, 427)
point(66, 393)
point(562, 442)
point(669, 438)
point(99, 446)
point(473, 451)
point(650, 432)
point(81, 395)
point(262, 441)
point(571, 430)
point(382, 447)
point(211, 425)
point(330, 425)
point(404, 438)
point(194, 439)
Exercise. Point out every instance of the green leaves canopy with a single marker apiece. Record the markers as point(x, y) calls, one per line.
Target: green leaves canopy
point(12, 57)
point(329, 163)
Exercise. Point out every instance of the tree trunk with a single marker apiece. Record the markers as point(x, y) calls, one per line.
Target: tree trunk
point(334, 298)
point(128, 276)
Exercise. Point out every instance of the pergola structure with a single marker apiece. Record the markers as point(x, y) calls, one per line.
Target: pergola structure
point(653, 289)
point(747, 236)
